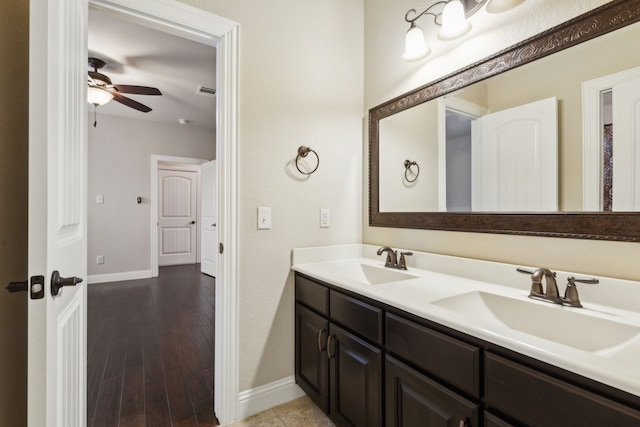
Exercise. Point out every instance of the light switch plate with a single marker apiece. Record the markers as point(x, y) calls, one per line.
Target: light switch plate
point(264, 218)
point(99, 198)
point(325, 218)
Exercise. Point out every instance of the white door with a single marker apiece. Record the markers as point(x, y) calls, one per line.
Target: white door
point(177, 217)
point(626, 145)
point(209, 218)
point(515, 159)
point(57, 211)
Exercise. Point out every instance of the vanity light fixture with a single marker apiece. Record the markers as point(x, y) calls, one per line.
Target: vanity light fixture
point(452, 16)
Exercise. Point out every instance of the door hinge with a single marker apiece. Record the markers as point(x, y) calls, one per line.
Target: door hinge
point(220, 247)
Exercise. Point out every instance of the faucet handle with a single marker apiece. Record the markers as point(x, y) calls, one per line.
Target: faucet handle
point(571, 292)
point(536, 285)
point(403, 262)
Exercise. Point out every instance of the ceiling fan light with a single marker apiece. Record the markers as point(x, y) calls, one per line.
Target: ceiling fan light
point(454, 22)
point(499, 6)
point(414, 46)
point(97, 96)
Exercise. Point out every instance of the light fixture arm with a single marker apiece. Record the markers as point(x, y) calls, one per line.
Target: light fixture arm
point(437, 17)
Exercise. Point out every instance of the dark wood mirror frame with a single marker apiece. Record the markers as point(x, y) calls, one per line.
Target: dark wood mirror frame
point(616, 226)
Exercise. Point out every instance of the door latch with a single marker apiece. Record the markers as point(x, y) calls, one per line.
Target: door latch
point(36, 289)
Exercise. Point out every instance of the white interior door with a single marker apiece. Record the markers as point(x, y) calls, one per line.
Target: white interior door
point(626, 145)
point(57, 212)
point(515, 159)
point(177, 217)
point(209, 218)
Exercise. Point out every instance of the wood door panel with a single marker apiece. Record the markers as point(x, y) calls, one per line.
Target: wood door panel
point(312, 364)
point(412, 399)
point(356, 380)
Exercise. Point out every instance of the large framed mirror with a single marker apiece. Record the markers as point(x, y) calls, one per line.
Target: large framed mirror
point(420, 178)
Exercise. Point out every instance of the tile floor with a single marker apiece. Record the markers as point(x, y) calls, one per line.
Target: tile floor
point(301, 412)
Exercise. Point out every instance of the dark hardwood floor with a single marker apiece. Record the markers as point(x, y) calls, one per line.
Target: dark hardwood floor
point(150, 351)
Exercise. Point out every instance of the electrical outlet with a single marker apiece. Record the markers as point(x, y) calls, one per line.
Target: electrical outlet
point(325, 218)
point(264, 218)
point(100, 259)
point(99, 198)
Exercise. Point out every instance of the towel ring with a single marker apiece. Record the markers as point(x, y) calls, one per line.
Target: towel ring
point(303, 152)
point(407, 168)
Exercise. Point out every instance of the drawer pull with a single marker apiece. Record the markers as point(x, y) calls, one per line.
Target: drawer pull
point(320, 332)
point(463, 423)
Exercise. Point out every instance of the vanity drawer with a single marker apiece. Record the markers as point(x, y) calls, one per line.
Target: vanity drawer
point(362, 318)
point(537, 399)
point(454, 361)
point(312, 294)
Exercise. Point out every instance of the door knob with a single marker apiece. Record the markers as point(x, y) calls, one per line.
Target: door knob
point(18, 286)
point(57, 282)
point(192, 222)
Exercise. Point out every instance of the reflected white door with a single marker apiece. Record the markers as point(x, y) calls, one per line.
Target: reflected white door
point(209, 221)
point(57, 212)
point(626, 146)
point(515, 159)
point(177, 217)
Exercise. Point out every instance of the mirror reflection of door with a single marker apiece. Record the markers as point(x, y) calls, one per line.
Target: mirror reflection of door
point(611, 142)
point(505, 144)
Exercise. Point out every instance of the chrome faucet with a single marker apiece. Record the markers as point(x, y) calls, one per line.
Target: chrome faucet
point(550, 293)
point(392, 258)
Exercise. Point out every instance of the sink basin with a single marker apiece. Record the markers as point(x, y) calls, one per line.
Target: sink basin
point(368, 274)
point(551, 322)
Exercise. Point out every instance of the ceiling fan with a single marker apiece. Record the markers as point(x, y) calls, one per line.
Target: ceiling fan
point(101, 90)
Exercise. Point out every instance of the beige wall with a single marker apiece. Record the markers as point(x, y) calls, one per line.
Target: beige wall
point(387, 76)
point(301, 67)
point(120, 152)
point(14, 54)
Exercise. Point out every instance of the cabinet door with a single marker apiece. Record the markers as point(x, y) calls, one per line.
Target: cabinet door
point(356, 380)
point(312, 364)
point(412, 399)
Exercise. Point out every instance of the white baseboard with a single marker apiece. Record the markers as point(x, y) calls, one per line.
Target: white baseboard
point(258, 399)
point(119, 277)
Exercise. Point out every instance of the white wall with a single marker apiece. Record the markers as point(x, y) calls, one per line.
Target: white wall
point(387, 76)
point(120, 152)
point(301, 67)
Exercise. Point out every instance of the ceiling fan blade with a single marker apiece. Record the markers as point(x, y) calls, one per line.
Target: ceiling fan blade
point(137, 90)
point(130, 102)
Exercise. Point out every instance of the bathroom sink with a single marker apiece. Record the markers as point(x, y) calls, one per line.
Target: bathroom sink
point(368, 274)
point(563, 325)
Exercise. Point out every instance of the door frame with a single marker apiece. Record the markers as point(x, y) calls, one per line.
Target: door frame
point(156, 160)
point(462, 107)
point(592, 122)
point(197, 24)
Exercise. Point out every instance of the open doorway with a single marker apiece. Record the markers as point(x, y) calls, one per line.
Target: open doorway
point(222, 32)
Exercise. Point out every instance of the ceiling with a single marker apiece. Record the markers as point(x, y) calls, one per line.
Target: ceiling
point(137, 55)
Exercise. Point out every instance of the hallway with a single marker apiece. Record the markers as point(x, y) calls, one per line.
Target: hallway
point(150, 350)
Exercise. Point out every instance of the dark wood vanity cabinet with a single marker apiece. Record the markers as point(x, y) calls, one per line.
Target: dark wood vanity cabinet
point(312, 363)
point(538, 399)
point(355, 380)
point(368, 364)
point(338, 354)
point(413, 399)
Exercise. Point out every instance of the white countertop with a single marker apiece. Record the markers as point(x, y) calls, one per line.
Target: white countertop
point(438, 276)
